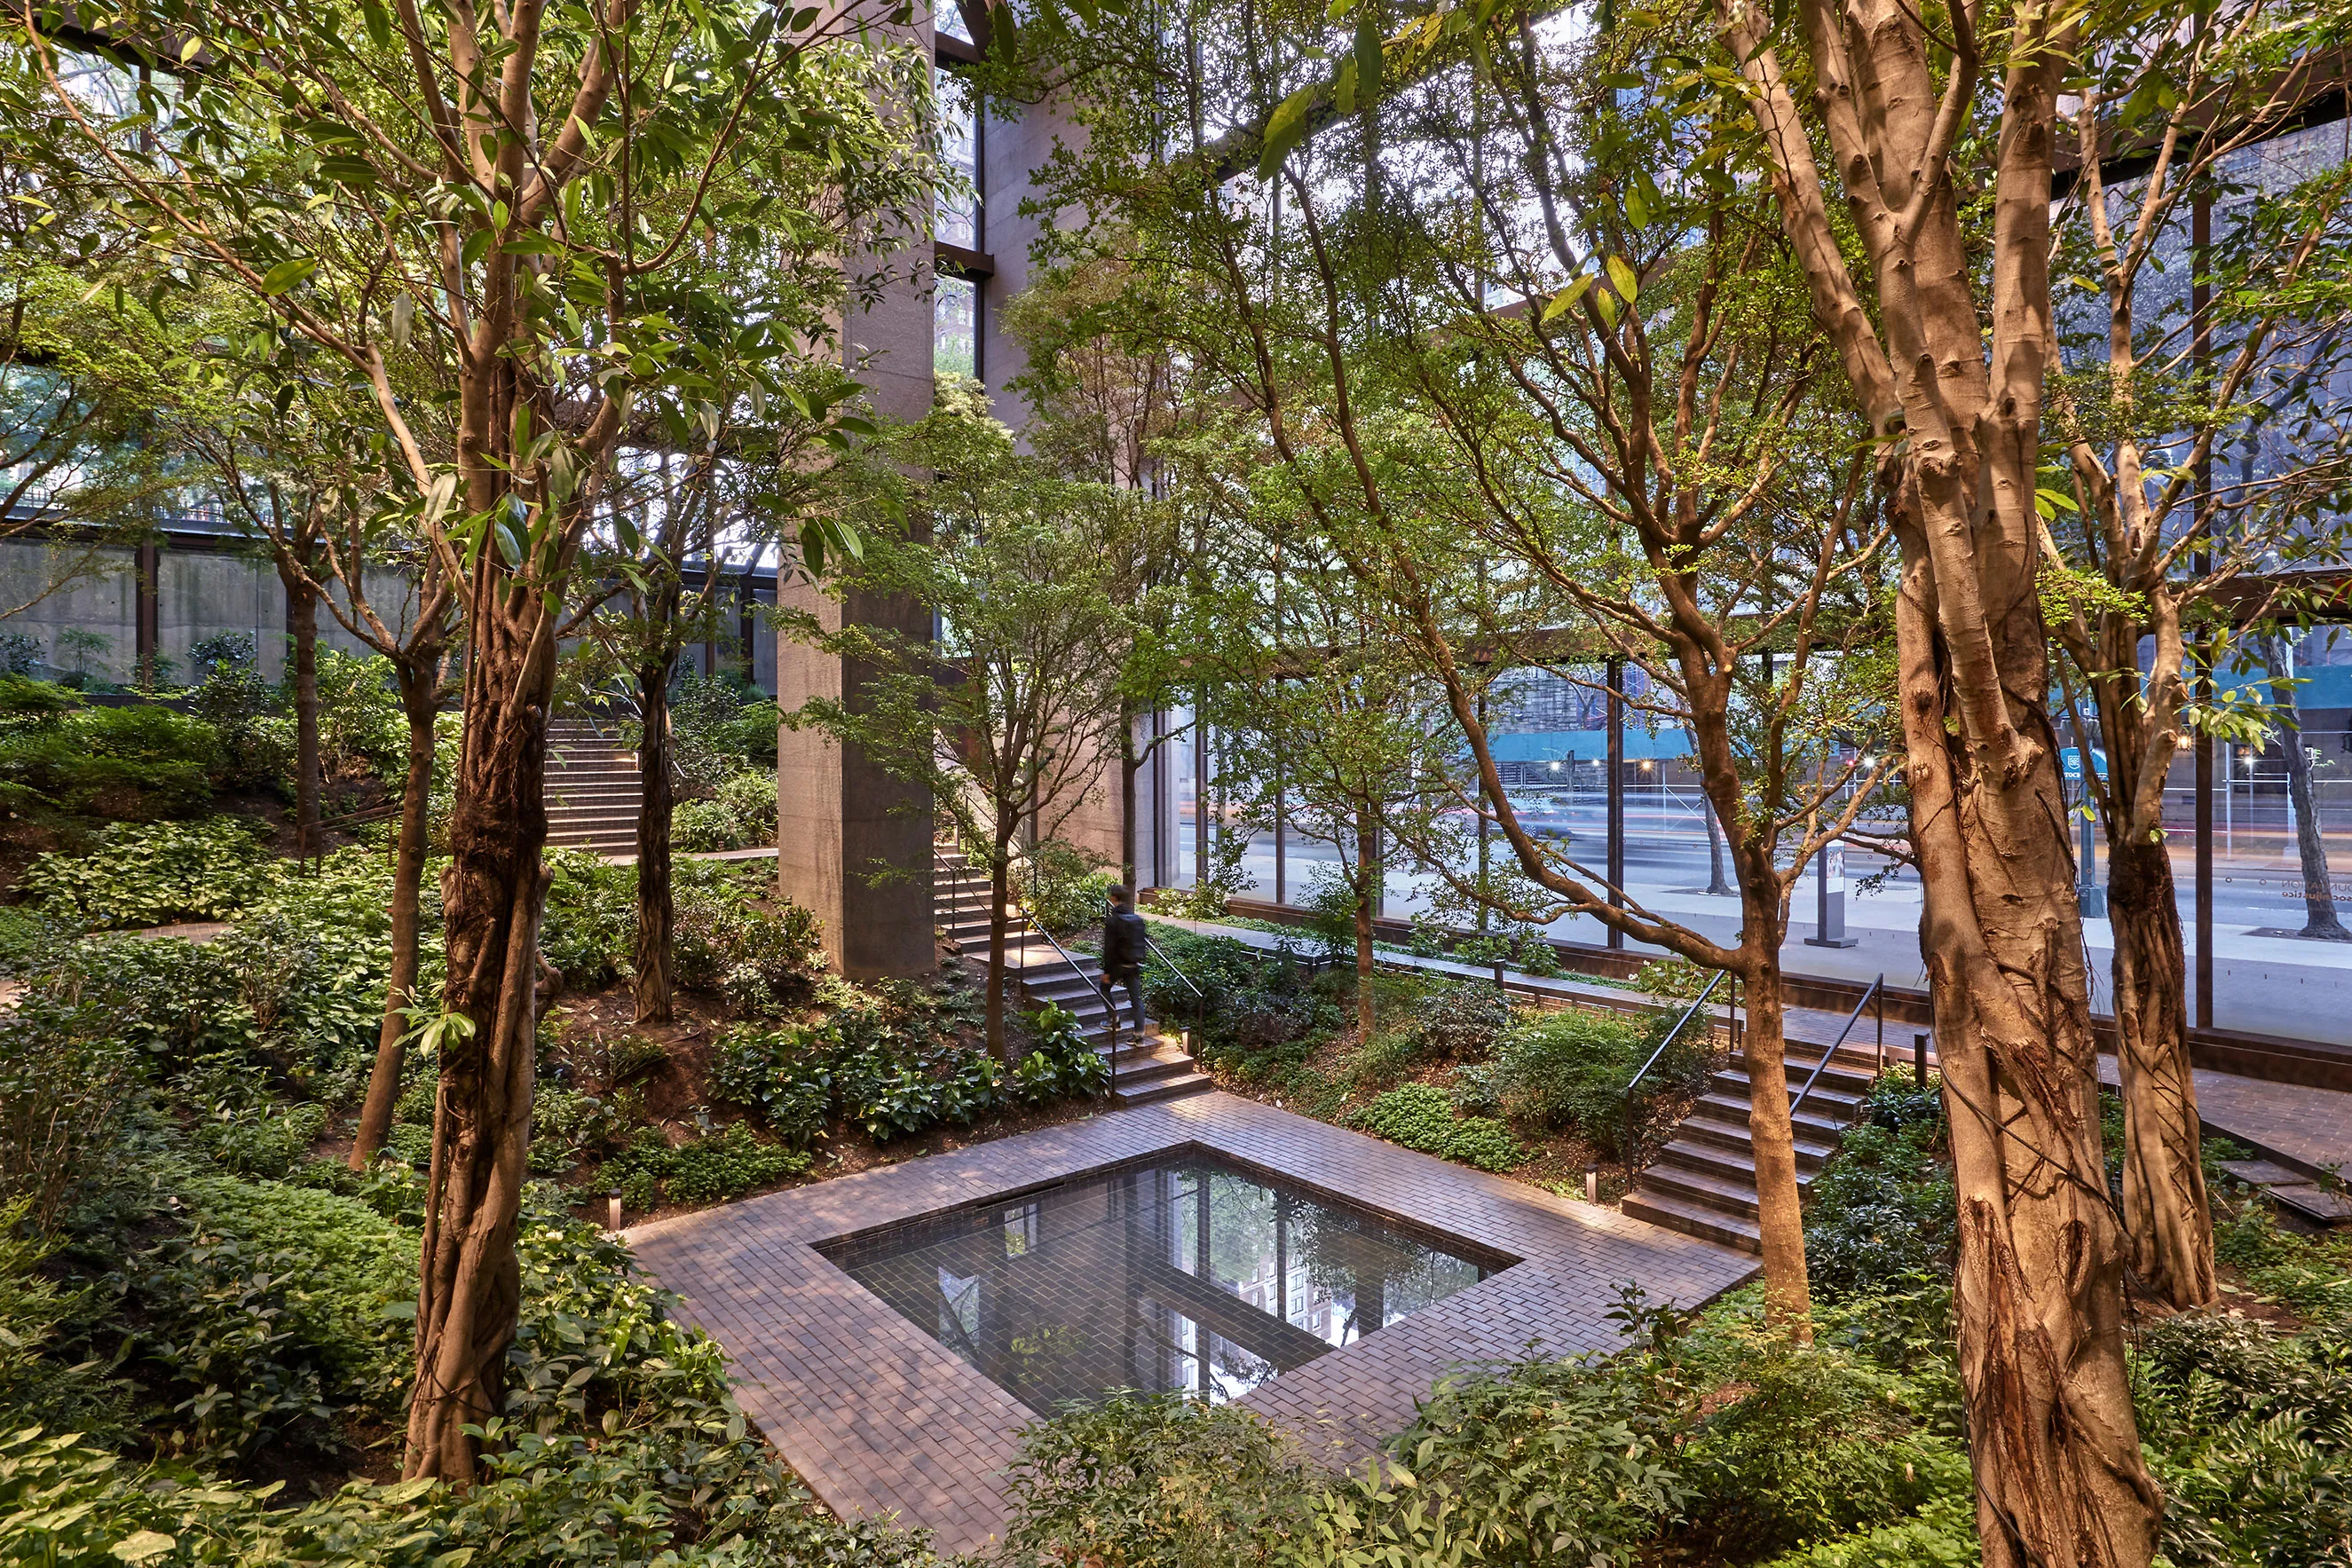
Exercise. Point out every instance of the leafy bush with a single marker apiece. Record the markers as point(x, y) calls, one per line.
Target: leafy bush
point(703, 826)
point(1069, 889)
point(1421, 1116)
point(67, 1079)
point(131, 764)
point(759, 1069)
point(261, 1140)
point(1460, 1023)
point(220, 1347)
point(28, 704)
point(749, 797)
point(1160, 1480)
point(358, 1269)
point(361, 729)
point(37, 1387)
point(1567, 1071)
point(239, 705)
point(1882, 1213)
point(2250, 1431)
point(149, 875)
point(710, 1168)
point(591, 924)
point(761, 962)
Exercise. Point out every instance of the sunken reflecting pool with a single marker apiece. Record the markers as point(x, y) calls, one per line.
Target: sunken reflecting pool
point(1181, 1272)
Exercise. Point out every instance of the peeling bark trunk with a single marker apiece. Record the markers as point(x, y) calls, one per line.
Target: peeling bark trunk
point(495, 890)
point(1368, 873)
point(2167, 1217)
point(1771, 1134)
point(656, 909)
point(302, 615)
point(2319, 919)
point(419, 678)
point(998, 895)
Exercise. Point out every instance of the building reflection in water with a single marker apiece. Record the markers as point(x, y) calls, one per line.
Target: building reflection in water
point(1180, 1273)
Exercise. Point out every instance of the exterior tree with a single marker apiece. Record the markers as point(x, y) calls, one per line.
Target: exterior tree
point(2146, 407)
point(513, 191)
point(1543, 413)
point(1005, 718)
point(1954, 418)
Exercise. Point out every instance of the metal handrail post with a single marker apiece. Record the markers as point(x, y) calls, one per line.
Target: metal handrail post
point(1853, 1018)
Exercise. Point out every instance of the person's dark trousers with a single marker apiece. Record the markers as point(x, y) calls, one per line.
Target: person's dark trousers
point(1133, 981)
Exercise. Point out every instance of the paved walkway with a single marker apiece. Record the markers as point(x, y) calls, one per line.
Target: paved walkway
point(2307, 1130)
point(879, 1417)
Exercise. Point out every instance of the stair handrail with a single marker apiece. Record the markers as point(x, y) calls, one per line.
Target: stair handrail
point(1876, 987)
point(1627, 1094)
point(963, 854)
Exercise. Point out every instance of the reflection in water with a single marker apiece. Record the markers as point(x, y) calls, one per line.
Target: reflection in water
point(1181, 1273)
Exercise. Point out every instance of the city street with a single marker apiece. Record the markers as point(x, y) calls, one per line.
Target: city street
point(2272, 984)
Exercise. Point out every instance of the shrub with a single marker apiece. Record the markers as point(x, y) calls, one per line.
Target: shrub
point(149, 875)
point(1069, 890)
point(28, 704)
point(37, 1387)
point(1567, 1071)
point(762, 1070)
point(749, 797)
point(1160, 1480)
point(1460, 1023)
point(237, 703)
point(358, 1269)
point(1882, 1213)
point(1421, 1116)
point(220, 1347)
point(702, 827)
point(67, 1078)
point(262, 1140)
point(591, 923)
point(763, 963)
point(362, 729)
point(710, 1168)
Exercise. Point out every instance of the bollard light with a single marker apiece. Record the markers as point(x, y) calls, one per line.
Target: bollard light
point(1593, 1183)
point(613, 1209)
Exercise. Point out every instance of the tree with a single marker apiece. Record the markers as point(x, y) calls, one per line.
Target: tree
point(512, 190)
point(2140, 416)
point(1004, 720)
point(1953, 417)
point(1545, 414)
point(737, 478)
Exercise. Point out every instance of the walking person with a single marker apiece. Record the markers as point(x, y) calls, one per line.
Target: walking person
point(1122, 958)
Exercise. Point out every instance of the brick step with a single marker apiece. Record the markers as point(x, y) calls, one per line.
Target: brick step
point(1724, 1194)
point(1166, 1089)
point(1708, 1224)
point(1811, 1152)
point(1812, 1125)
point(1840, 1106)
point(1734, 1167)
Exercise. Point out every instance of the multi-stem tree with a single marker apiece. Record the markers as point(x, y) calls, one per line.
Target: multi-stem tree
point(2197, 266)
point(1946, 367)
point(506, 194)
point(736, 481)
point(1005, 718)
point(1485, 346)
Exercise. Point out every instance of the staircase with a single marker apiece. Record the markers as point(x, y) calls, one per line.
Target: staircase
point(1152, 1067)
point(1703, 1183)
point(592, 789)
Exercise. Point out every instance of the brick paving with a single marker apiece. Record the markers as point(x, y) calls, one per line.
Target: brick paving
point(880, 1418)
point(2309, 1130)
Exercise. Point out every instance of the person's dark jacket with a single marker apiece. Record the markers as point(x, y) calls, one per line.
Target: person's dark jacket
point(1123, 939)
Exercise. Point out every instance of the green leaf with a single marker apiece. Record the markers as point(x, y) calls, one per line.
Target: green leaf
point(379, 22)
point(1368, 55)
point(1637, 208)
point(143, 1547)
point(509, 544)
point(1283, 128)
point(404, 317)
point(1624, 278)
point(287, 273)
point(1607, 305)
point(1567, 297)
point(1343, 87)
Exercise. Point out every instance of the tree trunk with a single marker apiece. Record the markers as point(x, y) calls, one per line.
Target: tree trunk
point(1368, 871)
point(2167, 1221)
point(1772, 1140)
point(2319, 919)
point(302, 616)
point(1715, 879)
point(420, 677)
point(998, 895)
point(657, 910)
point(1129, 766)
point(2038, 1288)
point(495, 888)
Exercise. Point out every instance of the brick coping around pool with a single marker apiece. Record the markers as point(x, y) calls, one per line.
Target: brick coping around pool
point(880, 1418)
